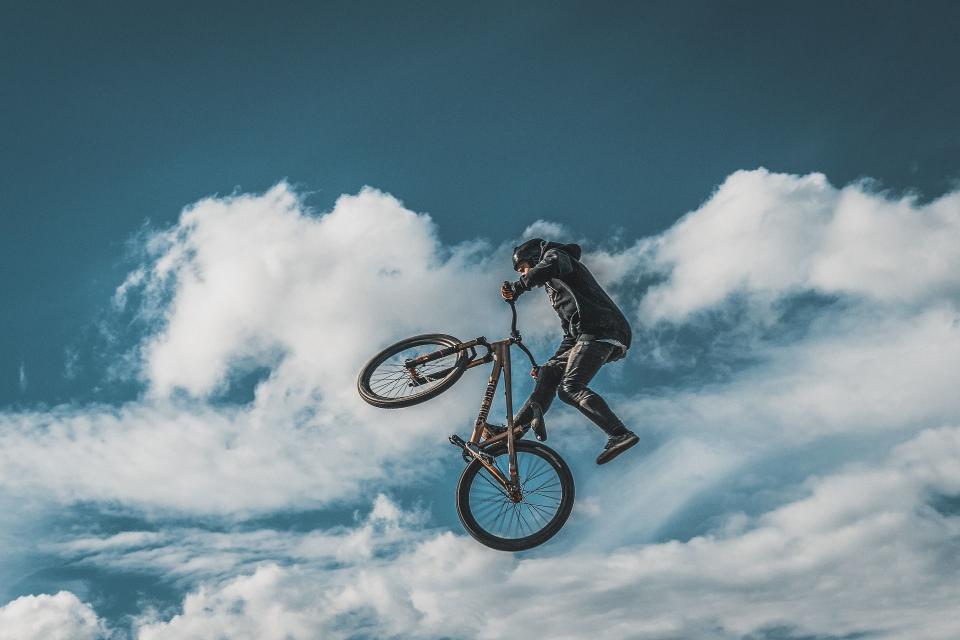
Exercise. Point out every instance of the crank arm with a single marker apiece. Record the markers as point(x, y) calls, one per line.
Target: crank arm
point(471, 449)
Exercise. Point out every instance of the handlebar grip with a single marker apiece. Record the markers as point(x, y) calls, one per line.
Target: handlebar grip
point(513, 308)
point(509, 286)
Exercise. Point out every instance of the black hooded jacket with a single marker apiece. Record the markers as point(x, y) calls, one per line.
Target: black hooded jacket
point(586, 311)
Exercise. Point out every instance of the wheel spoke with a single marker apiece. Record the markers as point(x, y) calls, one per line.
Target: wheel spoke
point(539, 509)
point(391, 379)
point(394, 385)
point(495, 485)
point(520, 517)
point(539, 514)
point(502, 513)
point(542, 490)
point(537, 475)
point(543, 487)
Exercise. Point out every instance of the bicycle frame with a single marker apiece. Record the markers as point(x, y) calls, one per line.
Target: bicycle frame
point(499, 353)
point(501, 365)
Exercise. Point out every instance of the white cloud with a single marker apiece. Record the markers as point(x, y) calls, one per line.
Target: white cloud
point(71, 366)
point(49, 617)
point(820, 565)
point(771, 235)
point(225, 461)
point(252, 281)
point(546, 230)
point(851, 374)
point(190, 555)
point(259, 280)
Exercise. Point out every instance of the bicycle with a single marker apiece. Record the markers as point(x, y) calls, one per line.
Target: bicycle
point(513, 494)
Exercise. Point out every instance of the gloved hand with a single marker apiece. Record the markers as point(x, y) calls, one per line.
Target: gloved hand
point(511, 290)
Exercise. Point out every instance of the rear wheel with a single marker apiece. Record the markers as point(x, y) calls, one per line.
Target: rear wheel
point(387, 383)
point(494, 519)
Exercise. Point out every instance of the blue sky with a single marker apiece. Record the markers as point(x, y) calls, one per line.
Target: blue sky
point(487, 118)
point(769, 191)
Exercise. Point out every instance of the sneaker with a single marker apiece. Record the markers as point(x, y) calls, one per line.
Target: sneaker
point(617, 445)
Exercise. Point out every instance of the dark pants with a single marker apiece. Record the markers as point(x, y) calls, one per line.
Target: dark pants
point(567, 376)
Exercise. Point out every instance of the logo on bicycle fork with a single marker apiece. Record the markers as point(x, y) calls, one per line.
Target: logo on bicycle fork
point(487, 400)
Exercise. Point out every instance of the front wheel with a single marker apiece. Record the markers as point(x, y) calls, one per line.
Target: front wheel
point(494, 519)
point(387, 383)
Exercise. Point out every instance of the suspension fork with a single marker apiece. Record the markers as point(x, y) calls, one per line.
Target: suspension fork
point(500, 352)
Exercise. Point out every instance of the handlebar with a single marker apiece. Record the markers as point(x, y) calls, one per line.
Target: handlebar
point(515, 333)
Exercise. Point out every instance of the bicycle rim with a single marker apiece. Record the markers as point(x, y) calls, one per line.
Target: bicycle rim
point(386, 382)
point(491, 517)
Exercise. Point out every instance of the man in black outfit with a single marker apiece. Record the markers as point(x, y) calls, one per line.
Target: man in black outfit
point(595, 332)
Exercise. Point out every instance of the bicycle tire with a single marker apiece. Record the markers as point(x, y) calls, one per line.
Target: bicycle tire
point(472, 504)
point(376, 391)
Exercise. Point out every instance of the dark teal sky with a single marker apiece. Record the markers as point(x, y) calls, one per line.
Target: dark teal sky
point(602, 116)
point(613, 119)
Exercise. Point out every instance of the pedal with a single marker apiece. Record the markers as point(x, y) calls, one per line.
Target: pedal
point(457, 441)
point(475, 451)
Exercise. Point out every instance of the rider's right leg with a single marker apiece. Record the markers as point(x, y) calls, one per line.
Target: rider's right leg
point(548, 379)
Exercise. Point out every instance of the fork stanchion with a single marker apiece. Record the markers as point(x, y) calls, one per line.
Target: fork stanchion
point(508, 392)
point(517, 339)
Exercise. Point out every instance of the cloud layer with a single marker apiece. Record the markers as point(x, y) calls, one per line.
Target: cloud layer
point(772, 235)
point(818, 565)
point(49, 617)
point(258, 282)
point(807, 486)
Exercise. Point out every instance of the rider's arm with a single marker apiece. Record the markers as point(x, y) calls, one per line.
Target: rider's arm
point(553, 265)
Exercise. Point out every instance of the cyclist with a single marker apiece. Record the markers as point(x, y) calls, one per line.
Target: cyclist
point(595, 332)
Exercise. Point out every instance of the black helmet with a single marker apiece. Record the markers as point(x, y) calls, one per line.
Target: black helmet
point(529, 251)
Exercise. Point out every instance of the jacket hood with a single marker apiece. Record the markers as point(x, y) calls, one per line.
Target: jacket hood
point(573, 250)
